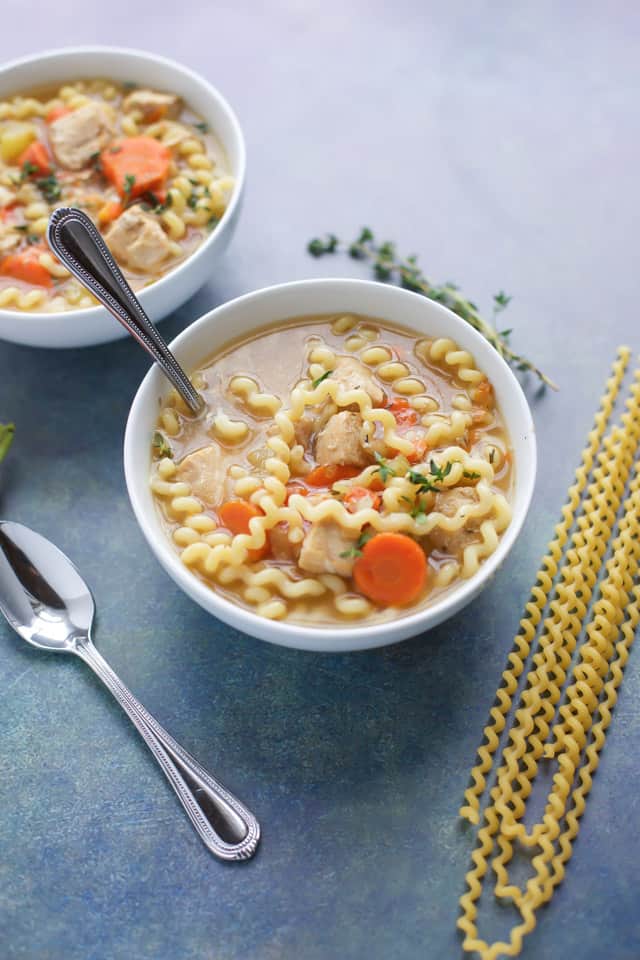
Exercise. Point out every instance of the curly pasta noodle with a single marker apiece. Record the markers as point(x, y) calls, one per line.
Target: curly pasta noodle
point(445, 351)
point(585, 712)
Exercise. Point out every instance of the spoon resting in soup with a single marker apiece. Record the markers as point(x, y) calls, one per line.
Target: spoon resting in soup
point(344, 469)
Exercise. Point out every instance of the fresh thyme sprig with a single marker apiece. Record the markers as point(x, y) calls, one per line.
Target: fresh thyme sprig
point(319, 380)
point(356, 551)
point(389, 267)
point(160, 446)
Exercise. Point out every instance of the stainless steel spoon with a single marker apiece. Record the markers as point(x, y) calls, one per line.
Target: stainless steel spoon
point(49, 605)
point(79, 246)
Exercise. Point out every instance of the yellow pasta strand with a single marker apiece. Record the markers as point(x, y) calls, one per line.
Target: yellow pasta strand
point(584, 714)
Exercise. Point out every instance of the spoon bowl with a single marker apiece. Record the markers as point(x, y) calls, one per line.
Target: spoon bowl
point(49, 606)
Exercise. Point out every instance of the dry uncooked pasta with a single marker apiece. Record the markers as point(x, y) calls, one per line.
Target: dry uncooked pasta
point(571, 685)
point(327, 442)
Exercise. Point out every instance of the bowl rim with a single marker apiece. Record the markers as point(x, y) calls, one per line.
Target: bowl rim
point(239, 176)
point(297, 635)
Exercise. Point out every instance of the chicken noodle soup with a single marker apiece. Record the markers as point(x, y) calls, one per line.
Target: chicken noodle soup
point(138, 161)
point(343, 468)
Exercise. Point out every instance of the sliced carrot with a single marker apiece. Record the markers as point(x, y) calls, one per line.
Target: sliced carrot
point(37, 156)
point(7, 213)
point(404, 413)
point(392, 570)
point(377, 484)
point(25, 265)
point(109, 212)
point(361, 498)
point(419, 451)
point(324, 476)
point(294, 487)
point(235, 516)
point(483, 395)
point(58, 112)
point(136, 165)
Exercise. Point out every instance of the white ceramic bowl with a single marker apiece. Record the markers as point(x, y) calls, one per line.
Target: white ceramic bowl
point(81, 328)
point(260, 309)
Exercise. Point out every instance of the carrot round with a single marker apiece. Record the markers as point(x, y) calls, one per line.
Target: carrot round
point(360, 498)
point(392, 570)
point(25, 265)
point(324, 476)
point(235, 516)
point(135, 165)
point(37, 156)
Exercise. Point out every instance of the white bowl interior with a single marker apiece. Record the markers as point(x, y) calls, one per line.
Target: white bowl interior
point(249, 314)
point(95, 325)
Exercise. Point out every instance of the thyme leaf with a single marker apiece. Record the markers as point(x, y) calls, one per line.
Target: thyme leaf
point(383, 467)
point(319, 380)
point(160, 446)
point(356, 550)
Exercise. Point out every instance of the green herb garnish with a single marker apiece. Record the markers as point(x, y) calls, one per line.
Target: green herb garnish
point(33, 238)
point(492, 454)
point(319, 380)
point(383, 467)
point(27, 170)
point(419, 512)
point(129, 183)
point(50, 188)
point(192, 200)
point(440, 472)
point(356, 550)
point(389, 267)
point(160, 446)
point(212, 222)
point(7, 430)
point(129, 85)
point(470, 475)
point(202, 127)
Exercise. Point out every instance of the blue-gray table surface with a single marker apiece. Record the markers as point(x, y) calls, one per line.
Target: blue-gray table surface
point(500, 142)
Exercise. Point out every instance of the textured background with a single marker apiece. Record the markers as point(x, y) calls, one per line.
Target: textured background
point(501, 142)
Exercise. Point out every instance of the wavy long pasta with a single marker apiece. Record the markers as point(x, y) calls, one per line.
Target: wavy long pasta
point(576, 721)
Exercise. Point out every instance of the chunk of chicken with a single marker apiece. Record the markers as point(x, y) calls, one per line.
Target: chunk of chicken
point(205, 473)
point(138, 240)
point(281, 547)
point(449, 502)
point(353, 375)
point(341, 441)
point(76, 136)
point(153, 106)
point(323, 546)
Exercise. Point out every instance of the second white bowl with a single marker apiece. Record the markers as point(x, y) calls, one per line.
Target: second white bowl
point(81, 328)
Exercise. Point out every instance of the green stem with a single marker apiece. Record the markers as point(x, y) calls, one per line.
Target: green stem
point(7, 431)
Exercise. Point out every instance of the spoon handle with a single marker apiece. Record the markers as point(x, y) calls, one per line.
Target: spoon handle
point(79, 246)
point(224, 825)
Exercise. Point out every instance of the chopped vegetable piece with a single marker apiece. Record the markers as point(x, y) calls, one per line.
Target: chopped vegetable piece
point(58, 112)
point(392, 570)
point(136, 165)
point(25, 265)
point(404, 413)
point(7, 431)
point(14, 138)
point(235, 516)
point(419, 451)
point(109, 212)
point(37, 157)
point(298, 488)
point(361, 498)
point(484, 395)
point(324, 476)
